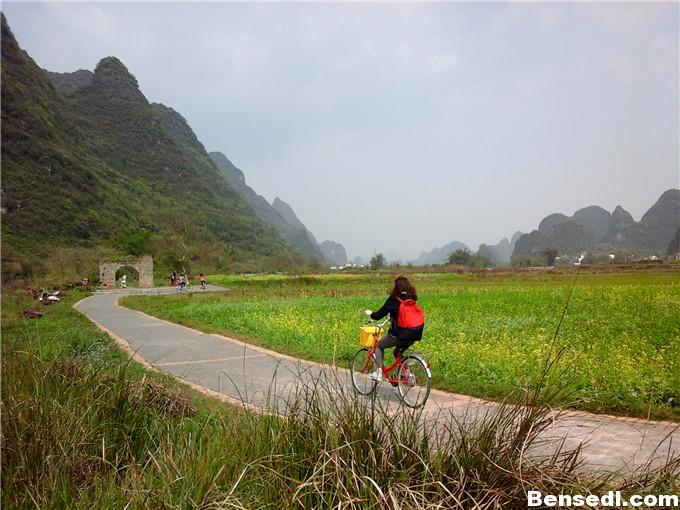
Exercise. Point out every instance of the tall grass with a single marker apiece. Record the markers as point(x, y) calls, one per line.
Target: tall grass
point(78, 434)
point(73, 438)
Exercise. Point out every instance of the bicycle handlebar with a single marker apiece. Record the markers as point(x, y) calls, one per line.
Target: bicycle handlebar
point(381, 323)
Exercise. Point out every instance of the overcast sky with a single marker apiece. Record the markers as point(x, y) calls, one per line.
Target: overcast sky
point(401, 127)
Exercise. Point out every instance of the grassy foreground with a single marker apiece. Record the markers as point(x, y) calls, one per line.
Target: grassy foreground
point(486, 334)
point(83, 428)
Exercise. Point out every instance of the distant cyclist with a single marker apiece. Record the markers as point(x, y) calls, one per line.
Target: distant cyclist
point(201, 279)
point(403, 330)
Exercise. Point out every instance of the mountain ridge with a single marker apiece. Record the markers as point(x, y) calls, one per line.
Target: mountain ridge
point(593, 229)
point(86, 158)
point(334, 252)
point(439, 255)
point(290, 228)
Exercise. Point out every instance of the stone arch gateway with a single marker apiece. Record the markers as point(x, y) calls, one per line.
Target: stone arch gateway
point(143, 265)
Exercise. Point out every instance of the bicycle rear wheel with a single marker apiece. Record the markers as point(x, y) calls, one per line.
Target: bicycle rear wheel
point(360, 369)
point(414, 382)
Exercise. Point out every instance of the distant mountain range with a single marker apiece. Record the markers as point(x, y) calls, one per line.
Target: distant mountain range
point(439, 255)
point(85, 156)
point(334, 253)
point(591, 229)
point(498, 253)
point(596, 230)
point(501, 252)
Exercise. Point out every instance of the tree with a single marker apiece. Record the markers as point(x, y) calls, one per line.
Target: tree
point(460, 257)
point(377, 261)
point(550, 255)
point(478, 260)
point(132, 242)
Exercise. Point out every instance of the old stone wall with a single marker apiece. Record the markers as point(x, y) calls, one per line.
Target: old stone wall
point(143, 265)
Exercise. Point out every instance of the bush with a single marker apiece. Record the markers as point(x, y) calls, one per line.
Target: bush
point(377, 262)
point(460, 257)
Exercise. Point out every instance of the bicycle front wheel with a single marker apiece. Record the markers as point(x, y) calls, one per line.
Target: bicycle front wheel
point(361, 367)
point(415, 381)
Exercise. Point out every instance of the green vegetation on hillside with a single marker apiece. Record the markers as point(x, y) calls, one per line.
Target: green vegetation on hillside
point(83, 166)
point(292, 230)
point(485, 335)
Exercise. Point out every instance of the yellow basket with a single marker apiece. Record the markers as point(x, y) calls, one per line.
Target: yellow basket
point(368, 334)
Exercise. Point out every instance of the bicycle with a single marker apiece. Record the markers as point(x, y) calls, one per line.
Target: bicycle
point(413, 377)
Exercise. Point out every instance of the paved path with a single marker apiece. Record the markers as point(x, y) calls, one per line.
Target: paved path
point(264, 380)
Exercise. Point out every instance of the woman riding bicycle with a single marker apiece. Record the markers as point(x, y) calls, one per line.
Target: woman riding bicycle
point(395, 336)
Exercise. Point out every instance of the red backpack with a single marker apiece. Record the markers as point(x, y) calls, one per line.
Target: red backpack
point(410, 320)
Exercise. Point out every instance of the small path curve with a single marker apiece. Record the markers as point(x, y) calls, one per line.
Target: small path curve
point(263, 380)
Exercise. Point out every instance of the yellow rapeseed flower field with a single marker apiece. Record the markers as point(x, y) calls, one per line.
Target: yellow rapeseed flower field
point(620, 338)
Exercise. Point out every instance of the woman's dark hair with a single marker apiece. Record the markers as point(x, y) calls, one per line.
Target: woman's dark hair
point(402, 284)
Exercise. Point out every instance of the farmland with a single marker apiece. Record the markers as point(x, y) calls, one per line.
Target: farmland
point(85, 427)
point(486, 333)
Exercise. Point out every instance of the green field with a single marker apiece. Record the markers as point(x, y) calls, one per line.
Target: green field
point(486, 333)
point(84, 427)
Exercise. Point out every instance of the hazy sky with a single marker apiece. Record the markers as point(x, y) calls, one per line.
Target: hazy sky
point(401, 127)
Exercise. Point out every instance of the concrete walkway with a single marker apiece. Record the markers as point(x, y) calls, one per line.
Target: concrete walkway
point(264, 380)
